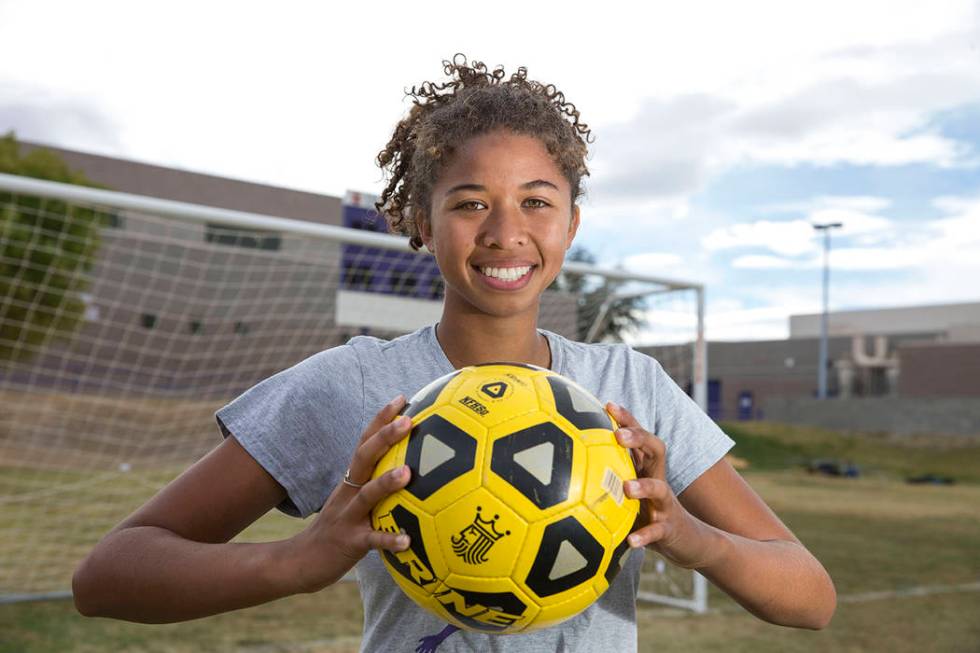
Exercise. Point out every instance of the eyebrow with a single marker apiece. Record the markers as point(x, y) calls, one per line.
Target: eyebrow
point(537, 183)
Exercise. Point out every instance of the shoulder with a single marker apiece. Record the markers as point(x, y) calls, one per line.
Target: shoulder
point(373, 346)
point(400, 365)
point(602, 356)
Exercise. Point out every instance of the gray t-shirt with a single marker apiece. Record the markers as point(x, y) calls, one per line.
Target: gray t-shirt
point(302, 426)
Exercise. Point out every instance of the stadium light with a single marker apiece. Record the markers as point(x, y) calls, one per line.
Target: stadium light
point(822, 365)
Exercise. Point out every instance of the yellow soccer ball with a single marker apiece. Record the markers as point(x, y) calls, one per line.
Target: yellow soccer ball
point(515, 508)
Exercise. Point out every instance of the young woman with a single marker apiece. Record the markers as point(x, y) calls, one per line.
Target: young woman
point(485, 172)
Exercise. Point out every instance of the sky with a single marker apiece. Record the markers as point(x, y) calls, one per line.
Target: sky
point(723, 131)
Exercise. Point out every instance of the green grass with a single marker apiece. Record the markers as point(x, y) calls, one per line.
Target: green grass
point(770, 446)
point(873, 533)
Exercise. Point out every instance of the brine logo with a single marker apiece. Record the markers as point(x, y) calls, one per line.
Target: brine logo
point(494, 390)
point(412, 563)
point(474, 405)
point(475, 541)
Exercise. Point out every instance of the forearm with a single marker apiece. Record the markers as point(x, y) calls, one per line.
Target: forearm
point(151, 575)
point(776, 580)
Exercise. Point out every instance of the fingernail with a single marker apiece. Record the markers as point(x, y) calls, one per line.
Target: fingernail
point(396, 401)
point(402, 541)
point(634, 540)
point(404, 422)
point(632, 486)
point(624, 434)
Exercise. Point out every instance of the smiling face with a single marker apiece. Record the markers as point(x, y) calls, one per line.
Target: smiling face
point(501, 219)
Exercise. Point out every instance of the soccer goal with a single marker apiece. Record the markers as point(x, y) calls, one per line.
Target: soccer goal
point(126, 321)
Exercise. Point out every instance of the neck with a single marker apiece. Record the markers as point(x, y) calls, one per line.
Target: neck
point(512, 339)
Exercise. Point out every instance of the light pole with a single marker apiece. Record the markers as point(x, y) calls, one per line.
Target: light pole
point(822, 365)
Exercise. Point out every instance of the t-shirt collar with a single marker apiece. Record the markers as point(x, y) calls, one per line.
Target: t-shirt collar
point(442, 361)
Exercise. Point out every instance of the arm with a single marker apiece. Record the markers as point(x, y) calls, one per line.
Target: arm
point(725, 531)
point(171, 560)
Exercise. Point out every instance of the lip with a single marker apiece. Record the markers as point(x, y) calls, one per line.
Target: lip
point(503, 284)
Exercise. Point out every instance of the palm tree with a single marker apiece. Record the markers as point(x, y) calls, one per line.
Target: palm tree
point(602, 315)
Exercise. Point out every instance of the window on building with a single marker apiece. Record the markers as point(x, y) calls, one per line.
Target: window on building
point(358, 277)
point(403, 282)
point(241, 328)
point(437, 288)
point(148, 320)
point(195, 326)
point(112, 220)
point(246, 238)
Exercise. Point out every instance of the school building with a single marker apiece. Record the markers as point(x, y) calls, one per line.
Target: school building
point(912, 369)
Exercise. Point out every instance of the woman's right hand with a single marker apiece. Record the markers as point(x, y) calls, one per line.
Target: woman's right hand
point(342, 533)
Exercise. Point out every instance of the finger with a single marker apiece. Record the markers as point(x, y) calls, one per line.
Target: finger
point(395, 542)
point(627, 423)
point(649, 451)
point(652, 489)
point(649, 534)
point(376, 490)
point(383, 416)
point(622, 415)
point(370, 451)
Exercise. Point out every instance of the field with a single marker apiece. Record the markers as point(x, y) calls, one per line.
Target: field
point(905, 559)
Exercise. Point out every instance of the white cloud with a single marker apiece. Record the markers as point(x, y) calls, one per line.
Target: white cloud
point(652, 262)
point(794, 238)
point(647, 212)
point(39, 115)
point(763, 262)
point(789, 238)
point(884, 258)
point(859, 203)
point(864, 104)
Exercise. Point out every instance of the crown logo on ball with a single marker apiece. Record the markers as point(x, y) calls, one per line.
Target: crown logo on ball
point(475, 541)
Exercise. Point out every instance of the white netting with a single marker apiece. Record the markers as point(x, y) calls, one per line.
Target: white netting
point(122, 330)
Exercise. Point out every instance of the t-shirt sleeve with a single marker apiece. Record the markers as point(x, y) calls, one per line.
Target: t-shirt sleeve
point(694, 442)
point(298, 425)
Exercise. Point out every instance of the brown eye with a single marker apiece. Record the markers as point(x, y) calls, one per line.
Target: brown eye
point(470, 205)
point(536, 203)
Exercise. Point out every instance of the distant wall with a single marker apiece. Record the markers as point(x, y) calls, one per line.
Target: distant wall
point(902, 416)
point(940, 369)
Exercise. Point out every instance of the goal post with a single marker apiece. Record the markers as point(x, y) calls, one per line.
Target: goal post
point(126, 321)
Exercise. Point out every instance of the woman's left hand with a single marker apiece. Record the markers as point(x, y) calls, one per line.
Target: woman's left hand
point(663, 523)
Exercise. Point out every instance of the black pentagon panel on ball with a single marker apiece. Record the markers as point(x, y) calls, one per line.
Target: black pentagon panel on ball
point(462, 603)
point(438, 452)
point(577, 406)
point(568, 556)
point(537, 461)
point(616, 561)
point(427, 395)
point(417, 567)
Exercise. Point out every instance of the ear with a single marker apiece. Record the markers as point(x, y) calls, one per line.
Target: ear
point(425, 231)
point(573, 226)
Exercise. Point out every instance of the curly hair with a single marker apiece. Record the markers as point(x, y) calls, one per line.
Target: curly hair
point(474, 101)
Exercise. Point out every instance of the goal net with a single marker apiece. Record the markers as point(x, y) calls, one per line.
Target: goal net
point(126, 321)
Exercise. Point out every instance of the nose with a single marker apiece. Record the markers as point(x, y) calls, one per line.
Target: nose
point(505, 227)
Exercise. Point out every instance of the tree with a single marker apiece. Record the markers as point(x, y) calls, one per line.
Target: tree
point(46, 247)
point(597, 302)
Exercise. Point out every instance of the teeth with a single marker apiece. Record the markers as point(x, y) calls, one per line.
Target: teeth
point(506, 274)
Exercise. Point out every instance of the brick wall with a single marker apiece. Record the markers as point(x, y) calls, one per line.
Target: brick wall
point(898, 415)
point(939, 370)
